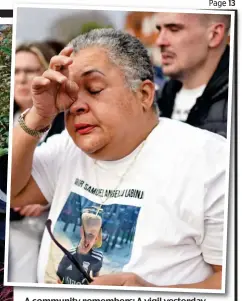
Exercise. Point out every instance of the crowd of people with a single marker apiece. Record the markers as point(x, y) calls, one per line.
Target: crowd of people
point(92, 131)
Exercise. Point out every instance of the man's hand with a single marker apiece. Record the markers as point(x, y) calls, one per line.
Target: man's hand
point(53, 92)
point(121, 279)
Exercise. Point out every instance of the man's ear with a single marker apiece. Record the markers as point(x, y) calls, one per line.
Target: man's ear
point(147, 94)
point(216, 34)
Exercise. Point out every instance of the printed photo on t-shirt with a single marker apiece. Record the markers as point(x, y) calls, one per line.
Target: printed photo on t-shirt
point(100, 242)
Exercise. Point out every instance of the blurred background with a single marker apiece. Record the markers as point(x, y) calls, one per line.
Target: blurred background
point(41, 24)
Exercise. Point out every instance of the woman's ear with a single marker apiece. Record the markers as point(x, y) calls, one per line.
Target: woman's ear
point(147, 94)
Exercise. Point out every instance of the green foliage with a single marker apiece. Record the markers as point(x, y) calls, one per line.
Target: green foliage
point(5, 50)
point(86, 27)
point(5, 80)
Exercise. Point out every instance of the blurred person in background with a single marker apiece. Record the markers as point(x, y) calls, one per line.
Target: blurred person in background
point(27, 223)
point(56, 45)
point(195, 55)
point(32, 59)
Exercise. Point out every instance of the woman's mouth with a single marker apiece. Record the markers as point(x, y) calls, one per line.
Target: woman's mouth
point(84, 128)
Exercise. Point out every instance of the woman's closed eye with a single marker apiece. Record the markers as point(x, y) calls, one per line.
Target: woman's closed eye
point(94, 91)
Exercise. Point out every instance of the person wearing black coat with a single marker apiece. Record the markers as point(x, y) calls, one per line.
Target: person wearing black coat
point(210, 109)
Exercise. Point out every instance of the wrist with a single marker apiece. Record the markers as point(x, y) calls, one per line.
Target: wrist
point(35, 121)
point(33, 124)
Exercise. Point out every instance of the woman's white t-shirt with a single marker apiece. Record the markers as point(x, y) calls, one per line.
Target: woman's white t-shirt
point(163, 222)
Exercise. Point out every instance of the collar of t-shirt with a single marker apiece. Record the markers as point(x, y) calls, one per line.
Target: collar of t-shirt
point(121, 163)
point(119, 167)
point(184, 101)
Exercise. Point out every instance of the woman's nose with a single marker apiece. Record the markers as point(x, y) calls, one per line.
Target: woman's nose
point(21, 77)
point(80, 106)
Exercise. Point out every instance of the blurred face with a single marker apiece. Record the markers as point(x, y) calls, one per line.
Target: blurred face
point(106, 111)
point(183, 41)
point(89, 239)
point(27, 66)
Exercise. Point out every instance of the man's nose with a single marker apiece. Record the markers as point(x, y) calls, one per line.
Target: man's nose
point(162, 39)
point(80, 106)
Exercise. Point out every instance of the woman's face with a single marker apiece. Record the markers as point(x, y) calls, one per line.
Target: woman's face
point(27, 66)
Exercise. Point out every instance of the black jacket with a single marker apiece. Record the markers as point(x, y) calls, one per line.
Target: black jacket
point(210, 109)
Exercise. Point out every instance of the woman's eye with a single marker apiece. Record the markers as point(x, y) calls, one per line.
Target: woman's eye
point(93, 92)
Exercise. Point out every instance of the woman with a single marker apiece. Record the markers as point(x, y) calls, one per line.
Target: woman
point(27, 223)
point(32, 60)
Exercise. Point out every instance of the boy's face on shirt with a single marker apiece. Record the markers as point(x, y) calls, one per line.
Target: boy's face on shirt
point(88, 239)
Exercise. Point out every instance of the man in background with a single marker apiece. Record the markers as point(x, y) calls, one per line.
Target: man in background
point(195, 55)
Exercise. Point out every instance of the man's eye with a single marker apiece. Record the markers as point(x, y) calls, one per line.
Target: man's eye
point(174, 29)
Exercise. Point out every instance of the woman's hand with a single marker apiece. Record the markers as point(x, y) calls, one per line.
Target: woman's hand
point(31, 210)
point(53, 92)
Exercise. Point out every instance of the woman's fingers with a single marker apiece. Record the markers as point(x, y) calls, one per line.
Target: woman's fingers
point(32, 210)
point(54, 76)
point(67, 51)
point(51, 76)
point(71, 88)
point(39, 82)
point(58, 62)
point(53, 91)
point(16, 209)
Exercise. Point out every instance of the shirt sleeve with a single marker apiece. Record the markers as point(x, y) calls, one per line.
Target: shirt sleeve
point(47, 162)
point(97, 268)
point(215, 201)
